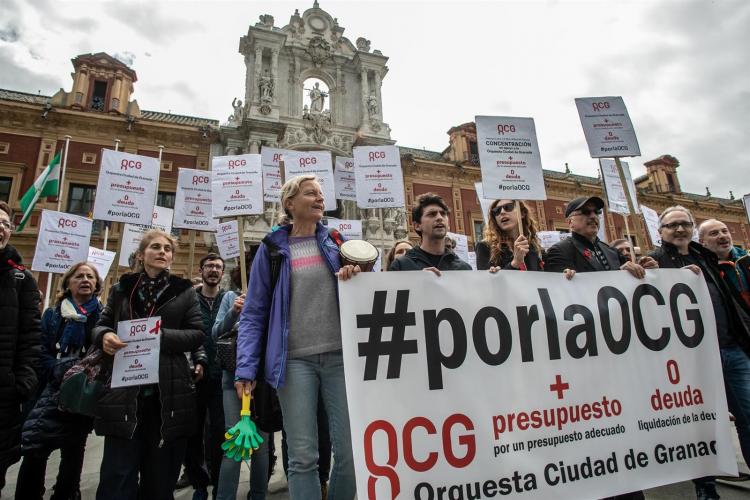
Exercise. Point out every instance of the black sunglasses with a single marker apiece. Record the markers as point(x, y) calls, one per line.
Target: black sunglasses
point(508, 207)
point(588, 211)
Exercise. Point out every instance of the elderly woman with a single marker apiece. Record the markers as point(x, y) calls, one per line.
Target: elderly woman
point(146, 427)
point(66, 328)
point(290, 335)
point(503, 247)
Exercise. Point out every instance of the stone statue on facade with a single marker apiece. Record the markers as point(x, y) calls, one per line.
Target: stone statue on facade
point(317, 99)
point(363, 44)
point(236, 116)
point(266, 88)
point(372, 105)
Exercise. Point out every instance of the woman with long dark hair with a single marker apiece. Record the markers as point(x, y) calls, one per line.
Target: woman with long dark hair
point(146, 427)
point(503, 247)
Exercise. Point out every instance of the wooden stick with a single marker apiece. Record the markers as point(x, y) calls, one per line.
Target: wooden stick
point(520, 217)
point(640, 235)
point(243, 269)
point(630, 242)
point(192, 253)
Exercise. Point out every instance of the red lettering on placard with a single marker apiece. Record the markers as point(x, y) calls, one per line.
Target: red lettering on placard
point(126, 164)
point(598, 106)
point(503, 128)
point(374, 155)
point(304, 161)
point(62, 223)
point(200, 179)
point(236, 163)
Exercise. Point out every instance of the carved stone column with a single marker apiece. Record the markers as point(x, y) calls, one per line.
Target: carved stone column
point(275, 72)
point(365, 93)
point(378, 83)
point(258, 73)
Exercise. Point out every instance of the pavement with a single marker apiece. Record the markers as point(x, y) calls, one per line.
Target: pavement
point(278, 490)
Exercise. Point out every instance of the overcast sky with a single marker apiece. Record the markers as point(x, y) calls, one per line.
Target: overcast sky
point(682, 66)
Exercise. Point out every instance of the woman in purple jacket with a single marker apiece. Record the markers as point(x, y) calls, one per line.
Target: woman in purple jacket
point(293, 297)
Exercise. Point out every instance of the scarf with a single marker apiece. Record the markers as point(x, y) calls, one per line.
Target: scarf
point(150, 289)
point(75, 317)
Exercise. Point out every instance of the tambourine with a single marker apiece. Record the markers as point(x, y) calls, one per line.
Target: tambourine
point(359, 253)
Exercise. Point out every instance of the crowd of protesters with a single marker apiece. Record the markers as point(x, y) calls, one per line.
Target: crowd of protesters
point(285, 325)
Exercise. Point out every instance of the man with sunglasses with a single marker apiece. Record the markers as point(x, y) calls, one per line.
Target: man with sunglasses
point(430, 219)
point(678, 250)
point(584, 251)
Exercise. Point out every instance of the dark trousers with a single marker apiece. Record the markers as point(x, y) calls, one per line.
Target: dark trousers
point(203, 457)
point(30, 485)
point(124, 460)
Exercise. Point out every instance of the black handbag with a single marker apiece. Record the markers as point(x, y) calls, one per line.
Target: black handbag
point(226, 349)
point(85, 382)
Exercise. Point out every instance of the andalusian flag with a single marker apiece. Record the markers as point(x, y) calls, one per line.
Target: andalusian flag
point(46, 185)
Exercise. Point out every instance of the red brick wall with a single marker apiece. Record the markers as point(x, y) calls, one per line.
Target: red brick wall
point(444, 192)
point(23, 150)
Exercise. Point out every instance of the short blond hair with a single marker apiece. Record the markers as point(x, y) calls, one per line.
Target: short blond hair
point(148, 237)
point(291, 188)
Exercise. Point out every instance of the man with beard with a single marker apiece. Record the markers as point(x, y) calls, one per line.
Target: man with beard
point(19, 342)
point(208, 389)
point(584, 251)
point(430, 219)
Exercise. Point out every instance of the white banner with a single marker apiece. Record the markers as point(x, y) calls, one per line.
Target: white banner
point(228, 240)
point(127, 185)
point(746, 202)
point(192, 205)
point(652, 224)
point(509, 158)
point(63, 241)
point(102, 260)
point(556, 389)
point(607, 127)
point(316, 163)
point(484, 203)
point(162, 219)
point(616, 199)
point(345, 179)
point(379, 180)
point(548, 238)
point(462, 245)
point(138, 362)
point(270, 159)
point(236, 186)
point(350, 229)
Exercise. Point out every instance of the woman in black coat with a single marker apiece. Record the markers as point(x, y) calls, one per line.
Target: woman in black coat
point(19, 342)
point(146, 427)
point(68, 325)
point(503, 247)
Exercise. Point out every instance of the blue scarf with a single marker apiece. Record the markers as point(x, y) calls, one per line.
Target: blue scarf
point(75, 318)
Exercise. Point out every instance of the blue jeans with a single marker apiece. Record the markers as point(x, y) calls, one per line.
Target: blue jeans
point(736, 367)
point(229, 475)
point(305, 377)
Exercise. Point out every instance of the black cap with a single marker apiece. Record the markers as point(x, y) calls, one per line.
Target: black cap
point(576, 204)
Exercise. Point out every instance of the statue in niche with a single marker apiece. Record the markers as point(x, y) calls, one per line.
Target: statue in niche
point(265, 86)
point(317, 99)
point(236, 116)
point(372, 105)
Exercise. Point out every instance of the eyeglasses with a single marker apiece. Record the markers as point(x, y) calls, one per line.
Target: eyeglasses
point(674, 225)
point(209, 267)
point(508, 207)
point(588, 211)
point(7, 225)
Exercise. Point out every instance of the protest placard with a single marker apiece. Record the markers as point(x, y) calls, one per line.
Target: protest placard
point(484, 203)
point(228, 240)
point(236, 185)
point(652, 224)
point(607, 127)
point(317, 163)
point(379, 180)
point(548, 238)
point(509, 158)
point(350, 229)
point(613, 186)
point(126, 190)
point(534, 385)
point(101, 259)
point(270, 159)
point(192, 205)
point(162, 218)
point(345, 179)
point(138, 362)
point(473, 260)
point(63, 240)
point(462, 245)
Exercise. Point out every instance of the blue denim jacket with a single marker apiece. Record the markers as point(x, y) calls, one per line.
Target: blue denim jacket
point(267, 306)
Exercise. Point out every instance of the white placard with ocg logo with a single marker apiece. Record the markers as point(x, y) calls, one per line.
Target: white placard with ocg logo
point(192, 205)
point(63, 240)
point(379, 180)
point(138, 362)
point(228, 240)
point(126, 191)
point(270, 159)
point(236, 185)
point(607, 127)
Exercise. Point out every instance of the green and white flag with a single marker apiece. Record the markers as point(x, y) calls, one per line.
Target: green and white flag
point(45, 185)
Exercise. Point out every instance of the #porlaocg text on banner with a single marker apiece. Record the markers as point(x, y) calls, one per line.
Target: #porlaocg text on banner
point(379, 180)
point(228, 240)
point(126, 190)
point(317, 163)
point(652, 224)
point(236, 186)
point(555, 389)
point(607, 127)
point(63, 240)
point(101, 259)
point(192, 205)
point(509, 157)
point(615, 193)
point(270, 159)
point(345, 179)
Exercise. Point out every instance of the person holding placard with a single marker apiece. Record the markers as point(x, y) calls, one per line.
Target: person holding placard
point(19, 342)
point(66, 330)
point(430, 219)
point(291, 314)
point(503, 247)
point(145, 427)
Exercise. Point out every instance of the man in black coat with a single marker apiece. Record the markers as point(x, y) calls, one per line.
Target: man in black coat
point(430, 219)
point(19, 342)
point(583, 251)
